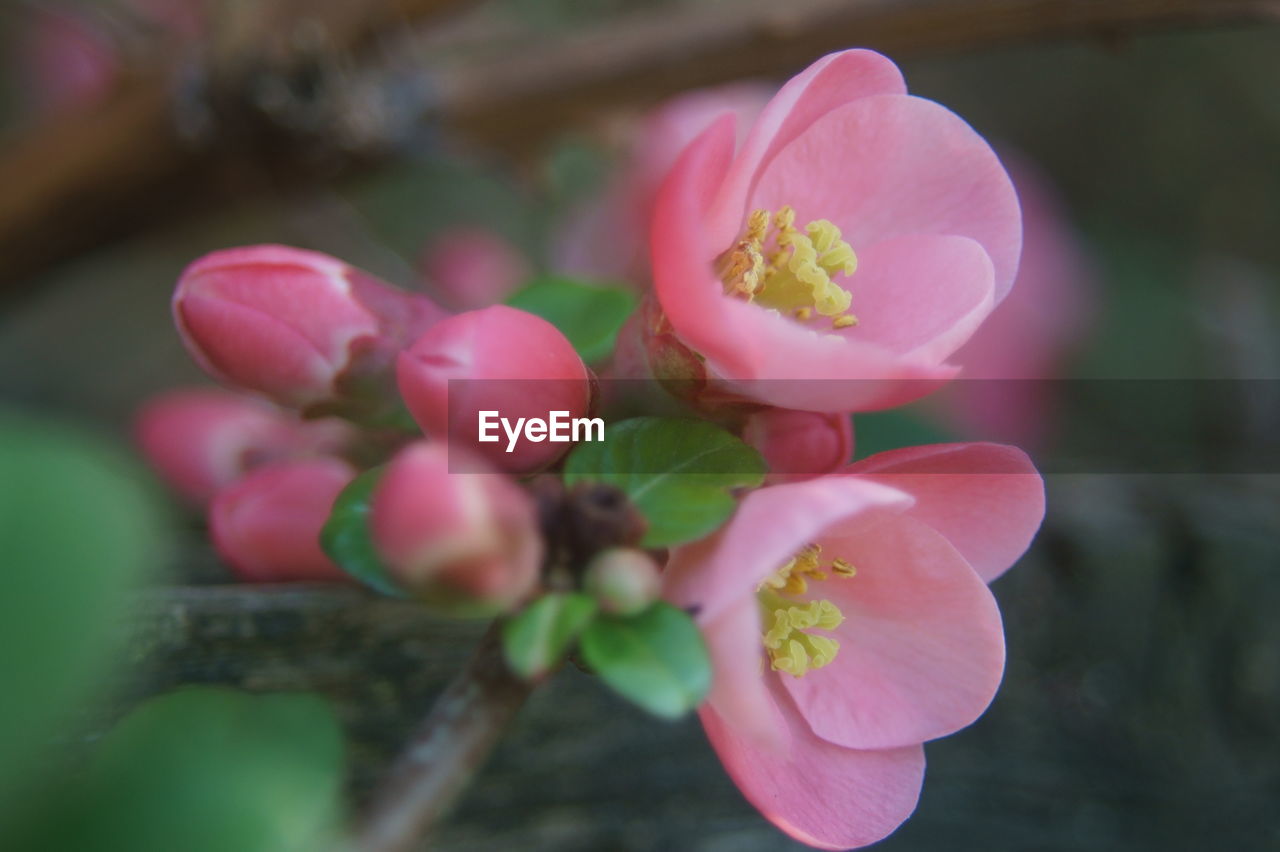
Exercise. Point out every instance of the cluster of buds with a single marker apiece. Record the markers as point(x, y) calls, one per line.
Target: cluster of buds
point(328, 369)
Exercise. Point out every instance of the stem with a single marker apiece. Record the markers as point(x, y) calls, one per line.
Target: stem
point(447, 750)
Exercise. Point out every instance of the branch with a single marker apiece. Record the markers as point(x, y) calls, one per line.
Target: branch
point(446, 752)
point(123, 166)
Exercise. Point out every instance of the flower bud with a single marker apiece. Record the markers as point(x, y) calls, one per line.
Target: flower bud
point(800, 443)
point(623, 580)
point(267, 525)
point(300, 327)
point(473, 268)
point(467, 543)
point(501, 360)
point(64, 60)
point(200, 440)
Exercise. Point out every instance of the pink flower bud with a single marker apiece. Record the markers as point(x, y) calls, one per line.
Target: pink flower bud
point(300, 327)
point(200, 440)
point(800, 443)
point(465, 542)
point(623, 580)
point(267, 525)
point(511, 364)
point(473, 268)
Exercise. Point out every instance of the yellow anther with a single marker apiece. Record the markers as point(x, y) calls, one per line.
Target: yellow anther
point(789, 270)
point(790, 646)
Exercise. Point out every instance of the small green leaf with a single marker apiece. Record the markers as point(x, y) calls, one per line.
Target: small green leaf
point(204, 769)
point(535, 639)
point(346, 537)
point(589, 315)
point(678, 473)
point(656, 659)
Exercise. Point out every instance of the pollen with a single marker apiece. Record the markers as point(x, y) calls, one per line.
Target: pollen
point(790, 270)
point(788, 621)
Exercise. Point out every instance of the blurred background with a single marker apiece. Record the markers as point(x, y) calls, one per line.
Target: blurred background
point(1141, 703)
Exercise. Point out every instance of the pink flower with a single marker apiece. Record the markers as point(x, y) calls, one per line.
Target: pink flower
point(607, 238)
point(849, 621)
point(1031, 333)
point(203, 439)
point(300, 327)
point(465, 542)
point(500, 360)
point(473, 268)
point(852, 243)
point(800, 443)
point(267, 525)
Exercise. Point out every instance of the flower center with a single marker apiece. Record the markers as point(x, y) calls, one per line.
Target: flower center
point(791, 647)
point(791, 271)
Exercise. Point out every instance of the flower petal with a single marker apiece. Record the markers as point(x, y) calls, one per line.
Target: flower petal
point(770, 526)
point(739, 691)
point(819, 793)
point(890, 165)
point(831, 82)
point(986, 499)
point(921, 647)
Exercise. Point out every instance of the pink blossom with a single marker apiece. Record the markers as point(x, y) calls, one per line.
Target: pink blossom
point(465, 542)
point(300, 327)
point(473, 268)
point(607, 237)
point(500, 360)
point(203, 439)
point(912, 237)
point(267, 525)
point(1031, 333)
point(849, 621)
point(800, 443)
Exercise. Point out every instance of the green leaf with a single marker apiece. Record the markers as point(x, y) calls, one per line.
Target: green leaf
point(589, 315)
point(538, 637)
point(78, 530)
point(346, 538)
point(656, 659)
point(205, 769)
point(678, 473)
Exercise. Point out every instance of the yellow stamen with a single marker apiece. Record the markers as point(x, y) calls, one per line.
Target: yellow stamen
point(798, 276)
point(789, 644)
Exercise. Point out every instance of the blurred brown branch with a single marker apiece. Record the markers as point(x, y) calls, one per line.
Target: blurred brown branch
point(166, 146)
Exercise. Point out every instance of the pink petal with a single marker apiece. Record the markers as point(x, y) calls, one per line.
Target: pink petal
point(739, 689)
point(889, 165)
point(921, 295)
point(921, 647)
point(820, 793)
point(986, 499)
point(831, 82)
point(770, 526)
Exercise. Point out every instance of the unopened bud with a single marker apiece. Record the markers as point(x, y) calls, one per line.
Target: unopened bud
point(200, 440)
point(267, 525)
point(473, 268)
point(800, 443)
point(517, 367)
point(300, 327)
point(466, 543)
point(623, 580)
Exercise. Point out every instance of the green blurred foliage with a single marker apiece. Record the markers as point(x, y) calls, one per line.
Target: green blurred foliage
point(203, 769)
point(78, 531)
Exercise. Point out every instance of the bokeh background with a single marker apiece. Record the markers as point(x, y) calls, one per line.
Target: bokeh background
point(1141, 703)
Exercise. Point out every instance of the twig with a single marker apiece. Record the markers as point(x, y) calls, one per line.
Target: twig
point(116, 169)
point(450, 746)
